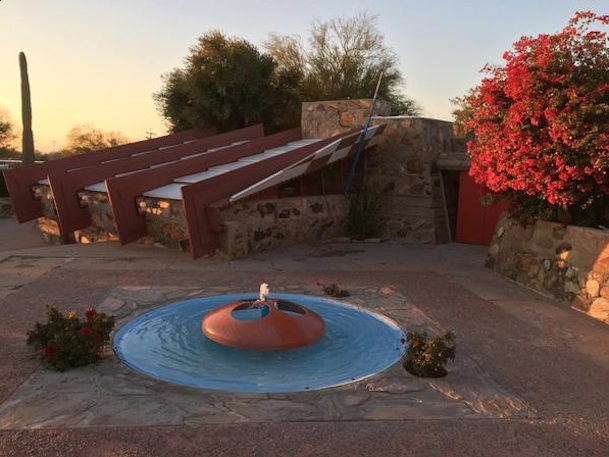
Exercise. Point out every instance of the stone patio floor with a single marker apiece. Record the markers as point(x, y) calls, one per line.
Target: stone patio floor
point(530, 377)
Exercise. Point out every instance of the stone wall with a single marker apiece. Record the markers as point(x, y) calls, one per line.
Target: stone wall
point(253, 225)
point(165, 220)
point(329, 118)
point(47, 224)
point(261, 225)
point(250, 226)
point(166, 223)
point(103, 227)
point(569, 263)
point(402, 167)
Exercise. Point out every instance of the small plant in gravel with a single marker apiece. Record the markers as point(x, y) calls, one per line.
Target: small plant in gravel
point(427, 357)
point(333, 290)
point(67, 341)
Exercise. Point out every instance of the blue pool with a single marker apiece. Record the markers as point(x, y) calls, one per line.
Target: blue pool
point(167, 343)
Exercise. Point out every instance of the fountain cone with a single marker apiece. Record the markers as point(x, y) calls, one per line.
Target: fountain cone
point(263, 324)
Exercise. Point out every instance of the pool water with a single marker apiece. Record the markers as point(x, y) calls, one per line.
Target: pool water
point(167, 343)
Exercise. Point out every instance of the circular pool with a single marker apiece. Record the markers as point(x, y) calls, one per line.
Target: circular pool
point(167, 343)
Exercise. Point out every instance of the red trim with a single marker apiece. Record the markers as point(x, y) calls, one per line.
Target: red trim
point(66, 184)
point(202, 200)
point(123, 191)
point(19, 181)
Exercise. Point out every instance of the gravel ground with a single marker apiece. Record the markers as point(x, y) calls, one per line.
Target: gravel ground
point(551, 356)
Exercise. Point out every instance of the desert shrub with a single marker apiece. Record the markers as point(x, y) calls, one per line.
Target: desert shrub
point(427, 357)
point(66, 341)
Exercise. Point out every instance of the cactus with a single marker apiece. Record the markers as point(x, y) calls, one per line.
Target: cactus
point(27, 143)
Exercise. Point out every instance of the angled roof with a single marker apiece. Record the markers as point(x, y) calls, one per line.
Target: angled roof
point(203, 170)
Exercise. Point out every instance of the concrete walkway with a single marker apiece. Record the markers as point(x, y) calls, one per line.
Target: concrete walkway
point(530, 377)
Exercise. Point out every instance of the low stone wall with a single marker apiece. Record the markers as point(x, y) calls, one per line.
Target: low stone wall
point(569, 263)
point(250, 226)
point(260, 225)
point(103, 227)
point(166, 223)
point(48, 223)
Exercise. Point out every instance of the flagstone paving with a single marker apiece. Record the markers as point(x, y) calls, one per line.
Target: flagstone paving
point(530, 377)
point(110, 394)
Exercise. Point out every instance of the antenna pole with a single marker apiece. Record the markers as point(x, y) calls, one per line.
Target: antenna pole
point(363, 136)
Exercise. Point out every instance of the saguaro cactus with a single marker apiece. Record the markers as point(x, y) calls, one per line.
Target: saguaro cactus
point(27, 142)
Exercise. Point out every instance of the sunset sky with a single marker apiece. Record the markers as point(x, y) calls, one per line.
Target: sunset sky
point(99, 63)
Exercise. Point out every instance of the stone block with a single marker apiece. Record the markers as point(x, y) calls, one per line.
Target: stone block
point(593, 288)
point(588, 246)
point(543, 235)
point(599, 309)
point(604, 292)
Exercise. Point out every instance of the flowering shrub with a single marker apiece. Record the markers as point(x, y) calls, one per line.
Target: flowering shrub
point(333, 290)
point(66, 341)
point(541, 122)
point(427, 357)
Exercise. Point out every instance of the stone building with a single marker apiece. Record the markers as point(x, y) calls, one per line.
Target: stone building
point(242, 192)
point(414, 167)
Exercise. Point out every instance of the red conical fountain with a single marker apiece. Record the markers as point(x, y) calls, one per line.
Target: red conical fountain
point(278, 324)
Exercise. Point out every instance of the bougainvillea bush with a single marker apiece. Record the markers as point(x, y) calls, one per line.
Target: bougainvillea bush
point(66, 341)
point(541, 124)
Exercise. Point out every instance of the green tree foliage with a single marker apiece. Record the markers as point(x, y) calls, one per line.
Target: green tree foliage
point(462, 113)
point(28, 151)
point(343, 60)
point(7, 134)
point(86, 138)
point(226, 83)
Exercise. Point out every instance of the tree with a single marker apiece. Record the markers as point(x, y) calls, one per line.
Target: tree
point(541, 123)
point(7, 133)
point(343, 60)
point(28, 152)
point(86, 138)
point(462, 113)
point(226, 83)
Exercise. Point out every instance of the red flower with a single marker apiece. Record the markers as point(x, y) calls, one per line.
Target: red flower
point(91, 313)
point(48, 350)
point(85, 331)
point(96, 337)
point(540, 121)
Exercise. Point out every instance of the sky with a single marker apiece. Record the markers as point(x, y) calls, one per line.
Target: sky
point(99, 63)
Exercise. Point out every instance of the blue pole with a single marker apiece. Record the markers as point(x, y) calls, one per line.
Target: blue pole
point(363, 137)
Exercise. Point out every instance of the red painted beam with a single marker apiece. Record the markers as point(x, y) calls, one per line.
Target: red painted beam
point(19, 181)
point(124, 190)
point(202, 200)
point(203, 233)
point(65, 184)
